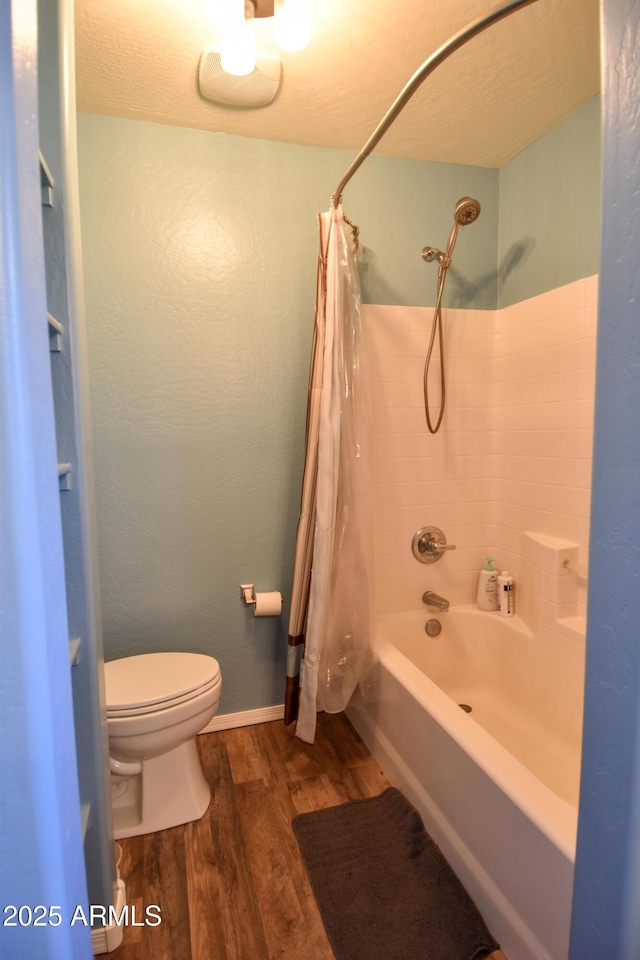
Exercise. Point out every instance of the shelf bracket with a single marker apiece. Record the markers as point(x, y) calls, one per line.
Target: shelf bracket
point(46, 182)
point(55, 334)
point(64, 476)
point(74, 650)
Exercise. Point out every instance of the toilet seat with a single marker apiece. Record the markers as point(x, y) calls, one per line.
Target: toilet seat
point(151, 682)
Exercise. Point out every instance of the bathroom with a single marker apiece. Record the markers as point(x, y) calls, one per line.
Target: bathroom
point(194, 312)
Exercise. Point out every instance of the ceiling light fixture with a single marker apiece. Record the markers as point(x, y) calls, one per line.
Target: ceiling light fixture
point(291, 27)
point(292, 24)
point(238, 44)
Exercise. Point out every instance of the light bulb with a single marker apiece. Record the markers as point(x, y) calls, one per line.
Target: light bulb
point(292, 24)
point(222, 13)
point(238, 49)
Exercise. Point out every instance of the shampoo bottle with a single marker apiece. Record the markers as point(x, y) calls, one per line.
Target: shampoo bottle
point(487, 598)
point(506, 591)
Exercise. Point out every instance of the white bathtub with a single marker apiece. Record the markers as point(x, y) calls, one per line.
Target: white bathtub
point(497, 788)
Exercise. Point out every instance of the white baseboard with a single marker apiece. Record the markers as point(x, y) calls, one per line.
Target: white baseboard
point(106, 939)
point(227, 721)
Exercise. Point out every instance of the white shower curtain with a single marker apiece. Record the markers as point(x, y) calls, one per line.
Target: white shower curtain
point(339, 618)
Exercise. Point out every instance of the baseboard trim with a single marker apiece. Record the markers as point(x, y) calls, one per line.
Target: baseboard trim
point(106, 939)
point(227, 721)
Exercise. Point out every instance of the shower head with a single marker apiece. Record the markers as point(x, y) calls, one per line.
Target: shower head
point(467, 210)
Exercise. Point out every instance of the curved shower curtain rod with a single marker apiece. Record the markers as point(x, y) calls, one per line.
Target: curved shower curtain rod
point(458, 40)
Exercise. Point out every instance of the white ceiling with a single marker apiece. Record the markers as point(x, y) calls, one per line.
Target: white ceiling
point(139, 59)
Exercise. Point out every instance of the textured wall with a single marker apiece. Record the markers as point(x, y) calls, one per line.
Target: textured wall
point(200, 255)
point(550, 209)
point(42, 858)
point(607, 889)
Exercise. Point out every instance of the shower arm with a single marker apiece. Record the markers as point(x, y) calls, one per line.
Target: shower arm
point(421, 74)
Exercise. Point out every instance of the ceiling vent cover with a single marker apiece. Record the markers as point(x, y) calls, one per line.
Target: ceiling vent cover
point(256, 89)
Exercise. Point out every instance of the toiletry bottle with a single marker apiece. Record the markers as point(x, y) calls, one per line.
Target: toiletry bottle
point(487, 597)
point(507, 594)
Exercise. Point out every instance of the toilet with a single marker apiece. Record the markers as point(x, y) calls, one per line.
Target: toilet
point(157, 703)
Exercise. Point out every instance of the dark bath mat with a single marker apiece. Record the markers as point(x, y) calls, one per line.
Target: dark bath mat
point(384, 890)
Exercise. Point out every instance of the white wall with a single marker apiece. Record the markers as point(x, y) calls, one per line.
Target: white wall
point(421, 479)
point(508, 475)
point(539, 448)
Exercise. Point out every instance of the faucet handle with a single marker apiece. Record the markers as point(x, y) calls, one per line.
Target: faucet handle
point(433, 546)
point(429, 543)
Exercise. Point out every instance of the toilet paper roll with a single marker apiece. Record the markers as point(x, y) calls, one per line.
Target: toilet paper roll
point(268, 604)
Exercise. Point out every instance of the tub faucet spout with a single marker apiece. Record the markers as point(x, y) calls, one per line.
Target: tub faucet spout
point(433, 600)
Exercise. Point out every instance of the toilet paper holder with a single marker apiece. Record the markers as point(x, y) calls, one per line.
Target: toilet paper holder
point(264, 604)
point(247, 592)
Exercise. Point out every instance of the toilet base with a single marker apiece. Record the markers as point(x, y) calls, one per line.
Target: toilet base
point(171, 790)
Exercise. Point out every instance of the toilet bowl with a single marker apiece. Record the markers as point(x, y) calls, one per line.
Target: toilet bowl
point(156, 705)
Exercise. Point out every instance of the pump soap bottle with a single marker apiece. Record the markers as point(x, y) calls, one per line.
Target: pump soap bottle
point(487, 598)
point(507, 596)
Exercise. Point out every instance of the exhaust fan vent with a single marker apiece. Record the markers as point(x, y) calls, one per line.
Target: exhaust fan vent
point(256, 89)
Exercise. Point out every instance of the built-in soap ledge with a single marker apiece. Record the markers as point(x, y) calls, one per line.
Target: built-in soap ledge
point(551, 554)
point(573, 627)
point(579, 570)
point(562, 578)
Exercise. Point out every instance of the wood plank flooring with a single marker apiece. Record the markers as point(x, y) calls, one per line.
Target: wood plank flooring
point(232, 886)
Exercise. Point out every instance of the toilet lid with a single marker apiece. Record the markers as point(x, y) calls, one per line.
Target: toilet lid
point(151, 680)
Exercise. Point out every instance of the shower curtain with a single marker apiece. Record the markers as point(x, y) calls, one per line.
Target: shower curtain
point(332, 601)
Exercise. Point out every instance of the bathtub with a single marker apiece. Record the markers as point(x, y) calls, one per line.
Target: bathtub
point(497, 787)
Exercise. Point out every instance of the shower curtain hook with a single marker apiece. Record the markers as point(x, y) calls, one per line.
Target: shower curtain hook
point(355, 230)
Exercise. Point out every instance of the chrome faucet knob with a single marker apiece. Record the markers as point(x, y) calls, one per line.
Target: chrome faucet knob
point(429, 543)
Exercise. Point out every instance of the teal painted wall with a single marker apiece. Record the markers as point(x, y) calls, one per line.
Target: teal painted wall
point(200, 253)
point(200, 259)
point(550, 193)
point(402, 206)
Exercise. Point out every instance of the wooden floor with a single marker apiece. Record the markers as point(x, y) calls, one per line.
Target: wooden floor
point(232, 886)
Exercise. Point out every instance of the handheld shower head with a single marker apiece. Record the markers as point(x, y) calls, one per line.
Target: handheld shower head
point(467, 210)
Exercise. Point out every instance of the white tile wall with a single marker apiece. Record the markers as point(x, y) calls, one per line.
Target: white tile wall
point(514, 452)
